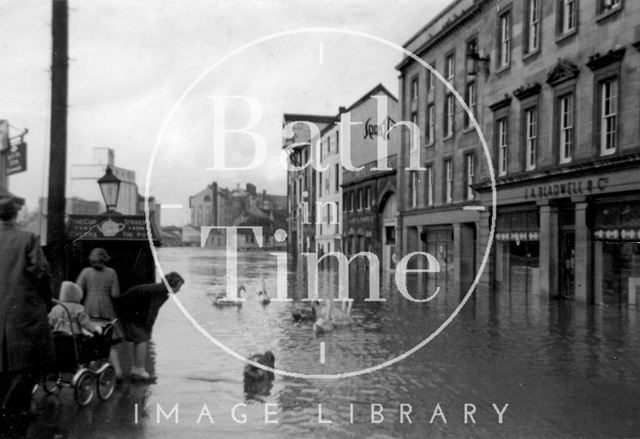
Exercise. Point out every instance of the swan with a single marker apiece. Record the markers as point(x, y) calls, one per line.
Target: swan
point(263, 296)
point(328, 316)
point(220, 298)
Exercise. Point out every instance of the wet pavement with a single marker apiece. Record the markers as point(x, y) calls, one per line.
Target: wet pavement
point(564, 369)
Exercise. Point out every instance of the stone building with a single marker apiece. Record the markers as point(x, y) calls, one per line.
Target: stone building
point(301, 179)
point(554, 86)
point(216, 206)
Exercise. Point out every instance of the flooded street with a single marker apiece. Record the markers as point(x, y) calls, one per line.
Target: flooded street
point(563, 368)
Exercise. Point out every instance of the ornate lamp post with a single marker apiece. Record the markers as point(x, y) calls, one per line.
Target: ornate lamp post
point(110, 188)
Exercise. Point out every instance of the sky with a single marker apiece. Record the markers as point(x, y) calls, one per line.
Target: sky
point(137, 66)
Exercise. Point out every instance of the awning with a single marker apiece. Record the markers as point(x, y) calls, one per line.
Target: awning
point(4, 192)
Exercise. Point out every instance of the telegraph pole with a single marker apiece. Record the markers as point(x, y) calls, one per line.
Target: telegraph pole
point(58, 140)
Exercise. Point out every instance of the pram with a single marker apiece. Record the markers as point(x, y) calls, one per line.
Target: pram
point(82, 362)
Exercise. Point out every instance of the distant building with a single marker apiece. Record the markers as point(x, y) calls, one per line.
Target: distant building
point(301, 192)
point(216, 206)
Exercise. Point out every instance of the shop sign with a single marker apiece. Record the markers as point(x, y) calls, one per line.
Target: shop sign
point(575, 187)
point(120, 227)
point(382, 130)
point(16, 159)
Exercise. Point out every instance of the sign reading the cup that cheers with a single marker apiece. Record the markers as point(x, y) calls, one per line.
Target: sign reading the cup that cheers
point(16, 159)
point(107, 227)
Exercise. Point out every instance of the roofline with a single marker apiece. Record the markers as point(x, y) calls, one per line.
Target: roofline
point(442, 33)
point(295, 117)
point(431, 22)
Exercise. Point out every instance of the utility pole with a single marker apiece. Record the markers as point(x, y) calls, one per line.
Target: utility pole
point(58, 140)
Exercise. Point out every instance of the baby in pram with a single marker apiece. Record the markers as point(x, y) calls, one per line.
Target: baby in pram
point(69, 316)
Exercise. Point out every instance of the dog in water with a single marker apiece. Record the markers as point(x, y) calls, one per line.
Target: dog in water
point(257, 381)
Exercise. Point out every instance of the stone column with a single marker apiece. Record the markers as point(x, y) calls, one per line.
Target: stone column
point(549, 251)
point(583, 271)
point(597, 273)
point(483, 227)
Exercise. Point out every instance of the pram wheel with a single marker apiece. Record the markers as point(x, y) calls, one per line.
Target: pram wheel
point(106, 382)
point(84, 387)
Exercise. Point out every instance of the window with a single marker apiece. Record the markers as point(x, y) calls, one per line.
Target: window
point(328, 145)
point(352, 204)
point(319, 184)
point(532, 26)
point(414, 189)
point(429, 194)
point(337, 177)
point(470, 172)
point(431, 124)
point(503, 146)
point(431, 78)
point(504, 47)
point(566, 128)
point(471, 103)
point(359, 200)
point(414, 118)
point(450, 67)
point(337, 142)
point(608, 5)
point(531, 138)
point(367, 197)
point(449, 109)
point(414, 89)
point(448, 181)
point(567, 16)
point(345, 202)
point(608, 116)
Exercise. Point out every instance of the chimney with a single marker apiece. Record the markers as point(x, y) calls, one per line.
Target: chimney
point(341, 110)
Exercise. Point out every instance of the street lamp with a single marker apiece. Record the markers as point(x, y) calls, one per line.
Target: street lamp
point(110, 188)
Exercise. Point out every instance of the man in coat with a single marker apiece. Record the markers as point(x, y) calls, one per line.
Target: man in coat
point(25, 338)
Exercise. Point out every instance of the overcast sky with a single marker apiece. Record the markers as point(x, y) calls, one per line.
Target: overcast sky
point(132, 60)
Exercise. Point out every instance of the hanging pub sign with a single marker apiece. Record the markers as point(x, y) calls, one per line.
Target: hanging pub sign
point(16, 159)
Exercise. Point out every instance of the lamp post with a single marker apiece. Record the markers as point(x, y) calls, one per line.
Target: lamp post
point(110, 188)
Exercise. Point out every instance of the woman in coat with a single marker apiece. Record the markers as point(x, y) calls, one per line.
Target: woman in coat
point(138, 309)
point(100, 285)
point(26, 345)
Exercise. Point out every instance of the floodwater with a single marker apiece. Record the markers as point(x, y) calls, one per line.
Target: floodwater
point(563, 368)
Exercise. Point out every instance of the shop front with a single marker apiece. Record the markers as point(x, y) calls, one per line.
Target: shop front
point(572, 236)
point(616, 237)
